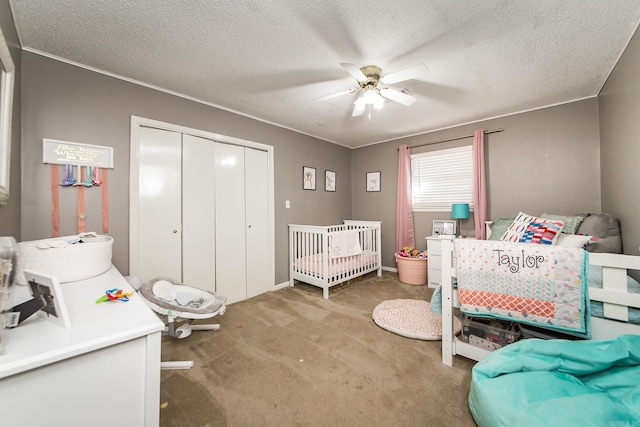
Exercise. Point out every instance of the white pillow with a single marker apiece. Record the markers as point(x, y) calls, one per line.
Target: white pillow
point(574, 240)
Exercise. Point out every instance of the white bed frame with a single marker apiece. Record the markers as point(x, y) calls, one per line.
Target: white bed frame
point(307, 240)
point(613, 295)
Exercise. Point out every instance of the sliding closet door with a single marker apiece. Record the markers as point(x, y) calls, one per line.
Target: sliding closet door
point(198, 213)
point(203, 213)
point(231, 264)
point(159, 222)
point(257, 226)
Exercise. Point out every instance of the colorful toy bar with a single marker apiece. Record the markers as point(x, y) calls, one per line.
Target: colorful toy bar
point(115, 295)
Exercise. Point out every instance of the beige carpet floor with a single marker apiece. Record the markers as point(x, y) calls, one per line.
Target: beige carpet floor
point(291, 358)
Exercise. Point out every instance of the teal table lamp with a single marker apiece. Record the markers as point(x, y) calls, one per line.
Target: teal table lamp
point(459, 211)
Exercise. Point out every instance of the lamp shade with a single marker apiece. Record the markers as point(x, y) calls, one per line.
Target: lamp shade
point(460, 211)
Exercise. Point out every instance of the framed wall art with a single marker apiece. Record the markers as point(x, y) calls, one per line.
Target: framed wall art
point(329, 181)
point(308, 178)
point(373, 181)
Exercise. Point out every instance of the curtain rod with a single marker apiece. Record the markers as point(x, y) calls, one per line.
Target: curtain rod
point(486, 132)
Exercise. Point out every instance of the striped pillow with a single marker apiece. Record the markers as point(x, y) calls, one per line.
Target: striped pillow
point(543, 233)
point(519, 225)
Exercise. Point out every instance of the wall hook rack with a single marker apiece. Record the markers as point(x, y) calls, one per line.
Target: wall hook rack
point(88, 160)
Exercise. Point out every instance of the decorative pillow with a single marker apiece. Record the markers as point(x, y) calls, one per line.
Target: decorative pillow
point(571, 222)
point(574, 240)
point(544, 233)
point(519, 225)
point(595, 225)
point(499, 227)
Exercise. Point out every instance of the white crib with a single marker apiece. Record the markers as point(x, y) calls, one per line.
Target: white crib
point(614, 296)
point(311, 262)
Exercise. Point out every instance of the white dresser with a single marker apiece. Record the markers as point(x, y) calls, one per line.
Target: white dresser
point(104, 371)
point(434, 252)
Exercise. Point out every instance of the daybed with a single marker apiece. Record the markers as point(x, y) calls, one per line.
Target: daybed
point(557, 381)
point(325, 256)
point(613, 297)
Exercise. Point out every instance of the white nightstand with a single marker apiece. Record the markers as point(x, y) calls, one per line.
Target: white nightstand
point(434, 254)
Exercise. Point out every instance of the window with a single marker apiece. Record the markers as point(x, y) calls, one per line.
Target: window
point(441, 178)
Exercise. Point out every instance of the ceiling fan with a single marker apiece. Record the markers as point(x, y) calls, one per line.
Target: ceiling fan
point(374, 87)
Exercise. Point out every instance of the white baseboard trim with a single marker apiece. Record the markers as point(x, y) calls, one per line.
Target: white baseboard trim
point(281, 286)
point(393, 270)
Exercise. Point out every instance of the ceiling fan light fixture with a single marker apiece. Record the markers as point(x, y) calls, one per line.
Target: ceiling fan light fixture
point(375, 94)
point(372, 97)
point(360, 103)
point(378, 103)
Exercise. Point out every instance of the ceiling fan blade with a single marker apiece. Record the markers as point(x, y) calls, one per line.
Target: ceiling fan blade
point(396, 95)
point(354, 71)
point(333, 95)
point(406, 74)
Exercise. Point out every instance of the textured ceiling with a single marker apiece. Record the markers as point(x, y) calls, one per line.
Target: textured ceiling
point(271, 59)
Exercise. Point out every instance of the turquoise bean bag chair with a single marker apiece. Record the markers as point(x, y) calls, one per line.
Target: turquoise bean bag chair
point(537, 382)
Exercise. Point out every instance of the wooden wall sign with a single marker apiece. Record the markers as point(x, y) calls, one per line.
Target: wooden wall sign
point(56, 152)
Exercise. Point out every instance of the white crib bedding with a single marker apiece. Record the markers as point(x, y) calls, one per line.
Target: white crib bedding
point(595, 281)
point(314, 264)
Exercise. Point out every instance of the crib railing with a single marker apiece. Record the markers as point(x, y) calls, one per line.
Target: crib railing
point(309, 252)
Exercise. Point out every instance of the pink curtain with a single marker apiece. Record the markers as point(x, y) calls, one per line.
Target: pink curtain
point(479, 185)
point(404, 213)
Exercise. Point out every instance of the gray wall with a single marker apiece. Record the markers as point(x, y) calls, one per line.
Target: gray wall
point(545, 161)
point(10, 213)
point(65, 102)
point(619, 103)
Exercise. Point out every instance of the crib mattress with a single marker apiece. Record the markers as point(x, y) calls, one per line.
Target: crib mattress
point(314, 264)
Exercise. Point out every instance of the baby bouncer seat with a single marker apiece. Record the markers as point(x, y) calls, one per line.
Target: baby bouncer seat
point(184, 303)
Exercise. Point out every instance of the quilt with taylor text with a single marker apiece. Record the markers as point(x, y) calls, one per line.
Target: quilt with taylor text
point(540, 285)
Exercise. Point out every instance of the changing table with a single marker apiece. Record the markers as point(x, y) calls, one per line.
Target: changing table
point(104, 371)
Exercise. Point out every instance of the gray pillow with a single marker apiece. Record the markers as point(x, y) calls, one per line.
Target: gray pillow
point(595, 225)
point(609, 244)
point(499, 227)
point(606, 229)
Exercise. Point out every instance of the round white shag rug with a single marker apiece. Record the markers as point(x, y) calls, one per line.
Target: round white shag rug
point(411, 318)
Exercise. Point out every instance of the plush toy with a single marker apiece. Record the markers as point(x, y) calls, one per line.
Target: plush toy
point(409, 252)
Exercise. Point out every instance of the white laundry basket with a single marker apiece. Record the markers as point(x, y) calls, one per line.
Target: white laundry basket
point(68, 262)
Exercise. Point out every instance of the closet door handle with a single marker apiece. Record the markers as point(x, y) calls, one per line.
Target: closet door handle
point(175, 231)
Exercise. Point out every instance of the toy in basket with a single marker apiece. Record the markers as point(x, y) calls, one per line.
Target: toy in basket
point(68, 258)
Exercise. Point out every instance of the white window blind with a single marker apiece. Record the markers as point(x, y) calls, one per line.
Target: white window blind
point(441, 178)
